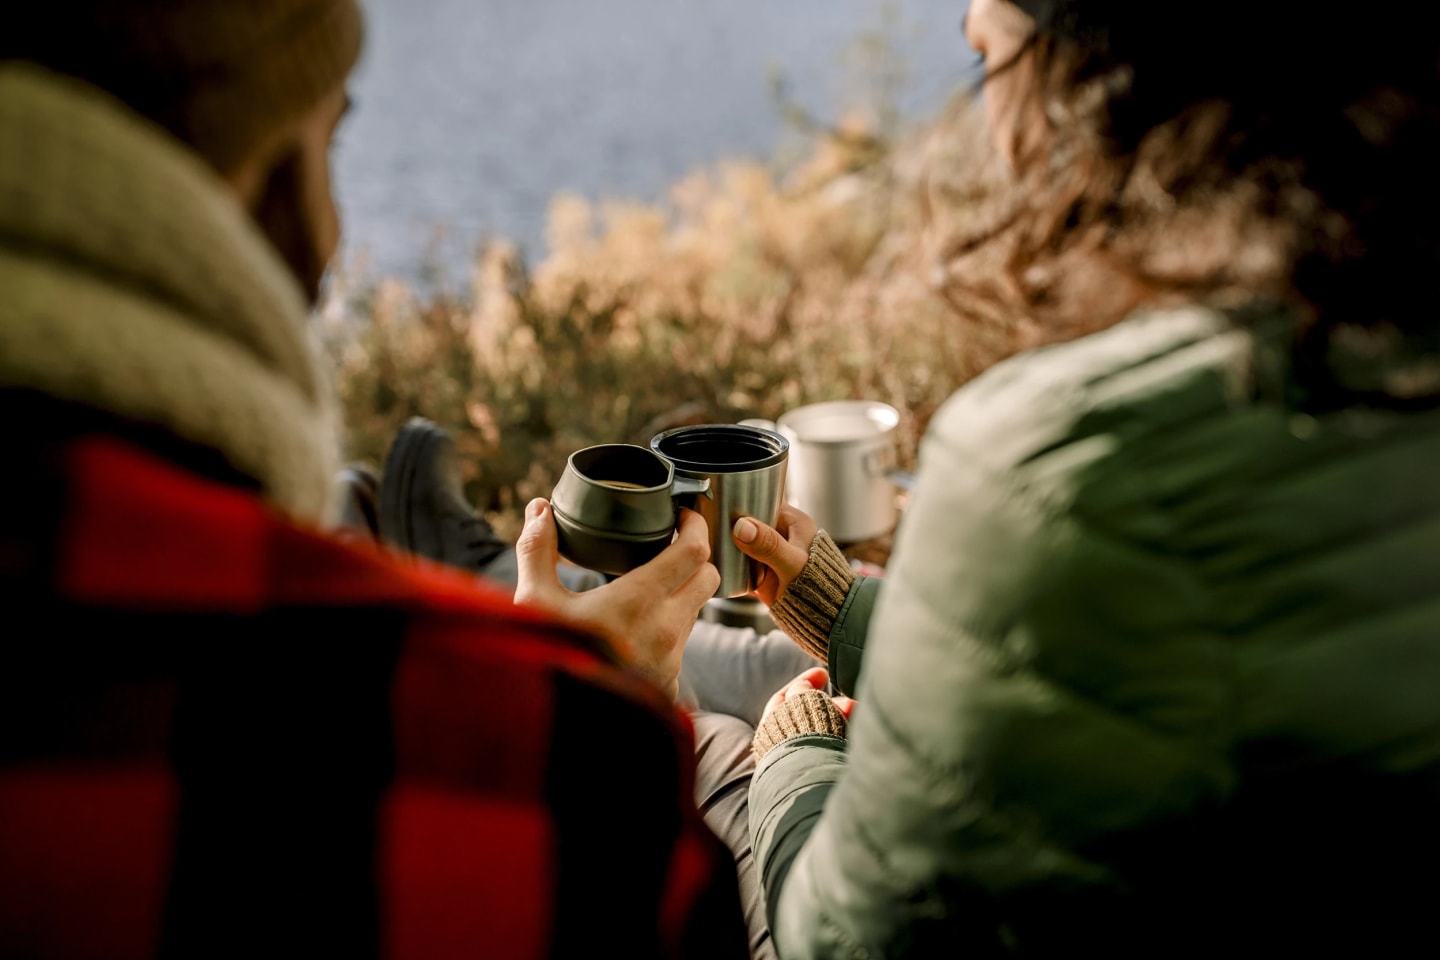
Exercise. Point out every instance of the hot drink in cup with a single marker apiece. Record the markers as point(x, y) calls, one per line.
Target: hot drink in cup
point(616, 504)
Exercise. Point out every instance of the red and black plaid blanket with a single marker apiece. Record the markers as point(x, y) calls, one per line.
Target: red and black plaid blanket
point(225, 735)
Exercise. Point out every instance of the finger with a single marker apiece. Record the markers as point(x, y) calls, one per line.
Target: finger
point(764, 543)
point(678, 562)
point(813, 679)
point(701, 586)
point(802, 534)
point(845, 705)
point(776, 698)
point(798, 526)
point(537, 556)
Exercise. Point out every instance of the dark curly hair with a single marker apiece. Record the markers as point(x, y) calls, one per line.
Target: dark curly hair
point(1226, 153)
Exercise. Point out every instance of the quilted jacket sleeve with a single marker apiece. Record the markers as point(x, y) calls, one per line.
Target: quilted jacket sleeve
point(1035, 683)
point(846, 649)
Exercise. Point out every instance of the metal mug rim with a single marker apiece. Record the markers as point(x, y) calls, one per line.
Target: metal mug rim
point(788, 421)
point(669, 467)
point(777, 456)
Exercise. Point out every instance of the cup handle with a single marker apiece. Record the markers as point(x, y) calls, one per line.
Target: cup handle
point(692, 487)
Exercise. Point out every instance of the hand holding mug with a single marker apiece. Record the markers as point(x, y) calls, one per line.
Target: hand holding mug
point(615, 505)
point(645, 614)
point(782, 550)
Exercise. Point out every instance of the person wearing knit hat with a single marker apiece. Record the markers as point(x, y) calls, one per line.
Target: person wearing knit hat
point(226, 730)
point(235, 82)
point(1151, 670)
point(254, 92)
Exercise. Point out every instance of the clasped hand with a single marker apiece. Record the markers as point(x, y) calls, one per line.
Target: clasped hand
point(646, 615)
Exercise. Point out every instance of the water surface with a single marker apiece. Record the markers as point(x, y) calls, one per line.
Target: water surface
point(471, 114)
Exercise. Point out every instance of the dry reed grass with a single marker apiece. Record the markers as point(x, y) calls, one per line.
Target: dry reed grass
point(746, 294)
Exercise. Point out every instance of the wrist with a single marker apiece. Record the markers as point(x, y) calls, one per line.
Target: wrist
point(806, 611)
point(804, 713)
point(664, 676)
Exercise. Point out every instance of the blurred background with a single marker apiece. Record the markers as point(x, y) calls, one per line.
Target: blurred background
point(569, 222)
point(470, 116)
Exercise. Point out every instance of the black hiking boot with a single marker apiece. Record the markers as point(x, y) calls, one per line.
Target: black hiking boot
point(423, 509)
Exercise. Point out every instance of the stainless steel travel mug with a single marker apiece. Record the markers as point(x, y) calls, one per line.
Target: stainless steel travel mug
point(745, 466)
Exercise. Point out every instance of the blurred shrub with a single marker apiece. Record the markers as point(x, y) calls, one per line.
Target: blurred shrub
point(746, 294)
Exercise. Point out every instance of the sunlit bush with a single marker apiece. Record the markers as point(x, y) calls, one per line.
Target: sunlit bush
point(746, 294)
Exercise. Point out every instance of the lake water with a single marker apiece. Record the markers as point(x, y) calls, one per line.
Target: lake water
point(471, 114)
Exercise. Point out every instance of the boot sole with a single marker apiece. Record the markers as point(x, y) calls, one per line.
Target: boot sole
point(406, 452)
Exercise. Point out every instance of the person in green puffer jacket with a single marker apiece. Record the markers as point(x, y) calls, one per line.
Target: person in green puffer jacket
point(1155, 665)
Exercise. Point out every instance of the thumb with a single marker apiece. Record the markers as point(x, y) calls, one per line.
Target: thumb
point(537, 556)
point(757, 540)
point(765, 545)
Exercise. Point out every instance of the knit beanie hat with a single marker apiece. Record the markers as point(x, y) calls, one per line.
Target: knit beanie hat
point(221, 75)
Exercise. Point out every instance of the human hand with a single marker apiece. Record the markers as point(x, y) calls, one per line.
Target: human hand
point(800, 708)
point(782, 549)
point(645, 614)
point(813, 679)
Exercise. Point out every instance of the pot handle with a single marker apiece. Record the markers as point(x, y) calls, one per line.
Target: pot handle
point(903, 479)
point(878, 465)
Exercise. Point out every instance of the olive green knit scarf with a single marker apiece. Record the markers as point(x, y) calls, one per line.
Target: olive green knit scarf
point(132, 281)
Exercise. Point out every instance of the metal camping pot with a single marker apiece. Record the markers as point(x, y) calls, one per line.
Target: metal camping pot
point(843, 467)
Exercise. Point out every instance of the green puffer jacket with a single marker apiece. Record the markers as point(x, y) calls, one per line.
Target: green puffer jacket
point(1155, 670)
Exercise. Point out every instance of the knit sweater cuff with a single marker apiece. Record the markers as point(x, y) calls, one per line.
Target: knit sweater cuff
point(809, 712)
point(807, 609)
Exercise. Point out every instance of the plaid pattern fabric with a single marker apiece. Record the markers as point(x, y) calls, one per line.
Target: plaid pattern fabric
point(224, 735)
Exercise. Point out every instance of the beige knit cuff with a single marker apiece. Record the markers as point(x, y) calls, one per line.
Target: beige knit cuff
point(809, 712)
point(807, 609)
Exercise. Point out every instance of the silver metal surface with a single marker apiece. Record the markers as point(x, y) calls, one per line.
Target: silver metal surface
point(750, 493)
point(842, 466)
point(735, 491)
